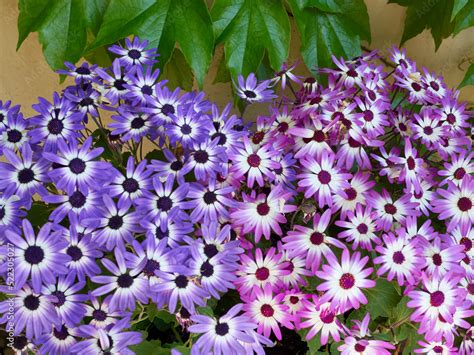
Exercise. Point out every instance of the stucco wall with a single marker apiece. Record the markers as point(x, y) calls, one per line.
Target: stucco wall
point(24, 75)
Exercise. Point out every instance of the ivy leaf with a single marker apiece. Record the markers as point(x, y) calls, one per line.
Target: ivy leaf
point(464, 18)
point(323, 34)
point(428, 14)
point(177, 72)
point(247, 28)
point(324, 5)
point(163, 23)
point(469, 77)
point(381, 299)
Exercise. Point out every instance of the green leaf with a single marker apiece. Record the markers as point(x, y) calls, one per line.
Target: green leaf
point(323, 5)
point(381, 299)
point(323, 35)
point(222, 73)
point(94, 13)
point(177, 72)
point(400, 312)
point(183, 349)
point(411, 343)
point(314, 344)
point(464, 18)
point(152, 347)
point(458, 5)
point(428, 14)
point(247, 28)
point(33, 14)
point(469, 77)
point(356, 17)
point(38, 214)
point(207, 311)
point(163, 23)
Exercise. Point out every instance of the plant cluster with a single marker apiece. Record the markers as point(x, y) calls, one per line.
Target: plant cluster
point(344, 216)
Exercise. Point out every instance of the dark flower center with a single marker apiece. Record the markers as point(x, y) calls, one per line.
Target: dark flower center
point(451, 118)
point(283, 127)
point(221, 136)
point(130, 185)
point(119, 84)
point(77, 166)
point(347, 281)
point(411, 163)
point(398, 257)
point(254, 160)
point(353, 143)
point(434, 85)
point(161, 234)
point(210, 250)
point(55, 126)
point(368, 115)
point(250, 94)
point(437, 298)
point(438, 349)
point(83, 70)
point(61, 334)
point(390, 209)
point(74, 252)
point(290, 267)
point(222, 329)
point(124, 281)
point(437, 260)
point(351, 194)
point(164, 203)
point(2, 212)
point(267, 310)
point(26, 176)
point(428, 130)
point(87, 101)
point(176, 165)
point(134, 54)
point(14, 136)
point(324, 177)
point(258, 137)
point(262, 273)
point(362, 228)
point(209, 197)
point(467, 243)
point(61, 298)
point(316, 238)
point(34, 254)
point(207, 270)
point(167, 109)
point(318, 136)
point(402, 127)
point(371, 95)
point(464, 204)
point(327, 317)
point(150, 267)
point(459, 173)
point(263, 209)
point(31, 302)
point(184, 313)
point(77, 199)
point(115, 222)
point(186, 129)
point(147, 90)
point(470, 288)
point(359, 348)
point(20, 342)
point(99, 315)
point(294, 299)
point(352, 73)
point(137, 123)
point(316, 100)
point(181, 281)
point(416, 86)
point(201, 156)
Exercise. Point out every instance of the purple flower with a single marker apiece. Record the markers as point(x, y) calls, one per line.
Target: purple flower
point(7, 110)
point(14, 136)
point(321, 319)
point(134, 53)
point(131, 125)
point(142, 84)
point(188, 127)
point(84, 73)
point(59, 340)
point(10, 212)
point(252, 91)
point(115, 82)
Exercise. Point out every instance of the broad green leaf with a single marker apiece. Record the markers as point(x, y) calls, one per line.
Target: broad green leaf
point(400, 312)
point(356, 17)
point(152, 347)
point(428, 14)
point(38, 214)
point(469, 77)
point(207, 311)
point(313, 344)
point(163, 23)
point(458, 5)
point(177, 72)
point(323, 35)
point(381, 299)
point(64, 35)
point(33, 14)
point(324, 5)
point(247, 28)
point(411, 342)
point(464, 18)
point(94, 13)
point(222, 73)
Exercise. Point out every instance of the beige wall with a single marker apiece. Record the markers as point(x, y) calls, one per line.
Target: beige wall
point(24, 75)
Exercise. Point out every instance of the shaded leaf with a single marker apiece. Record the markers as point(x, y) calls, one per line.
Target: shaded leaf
point(222, 73)
point(177, 72)
point(38, 214)
point(314, 344)
point(324, 5)
point(464, 18)
point(94, 13)
point(33, 14)
point(458, 5)
point(381, 299)
point(469, 77)
point(152, 347)
point(400, 311)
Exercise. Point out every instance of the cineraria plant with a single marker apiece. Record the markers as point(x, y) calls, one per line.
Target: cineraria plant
point(138, 218)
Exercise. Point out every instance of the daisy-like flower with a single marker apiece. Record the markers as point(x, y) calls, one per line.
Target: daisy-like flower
point(85, 73)
point(262, 214)
point(252, 91)
point(134, 53)
point(163, 105)
point(7, 110)
point(454, 115)
point(112, 340)
point(348, 75)
point(130, 186)
point(373, 116)
point(416, 88)
point(85, 101)
point(312, 243)
point(435, 85)
point(268, 311)
point(142, 83)
point(310, 139)
point(467, 345)
point(423, 198)
point(15, 135)
point(174, 165)
point(23, 176)
point(116, 224)
point(127, 285)
point(34, 312)
point(207, 160)
point(297, 270)
point(440, 258)
point(297, 302)
point(188, 127)
point(345, 281)
point(59, 340)
point(321, 318)
point(322, 179)
point(387, 211)
point(456, 203)
point(77, 167)
point(10, 212)
point(166, 203)
point(413, 170)
point(223, 335)
point(457, 167)
point(467, 282)
point(428, 128)
point(439, 297)
point(115, 82)
point(399, 257)
point(131, 125)
point(435, 348)
point(350, 197)
point(387, 164)
point(100, 313)
point(38, 257)
point(255, 162)
point(257, 273)
point(361, 228)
